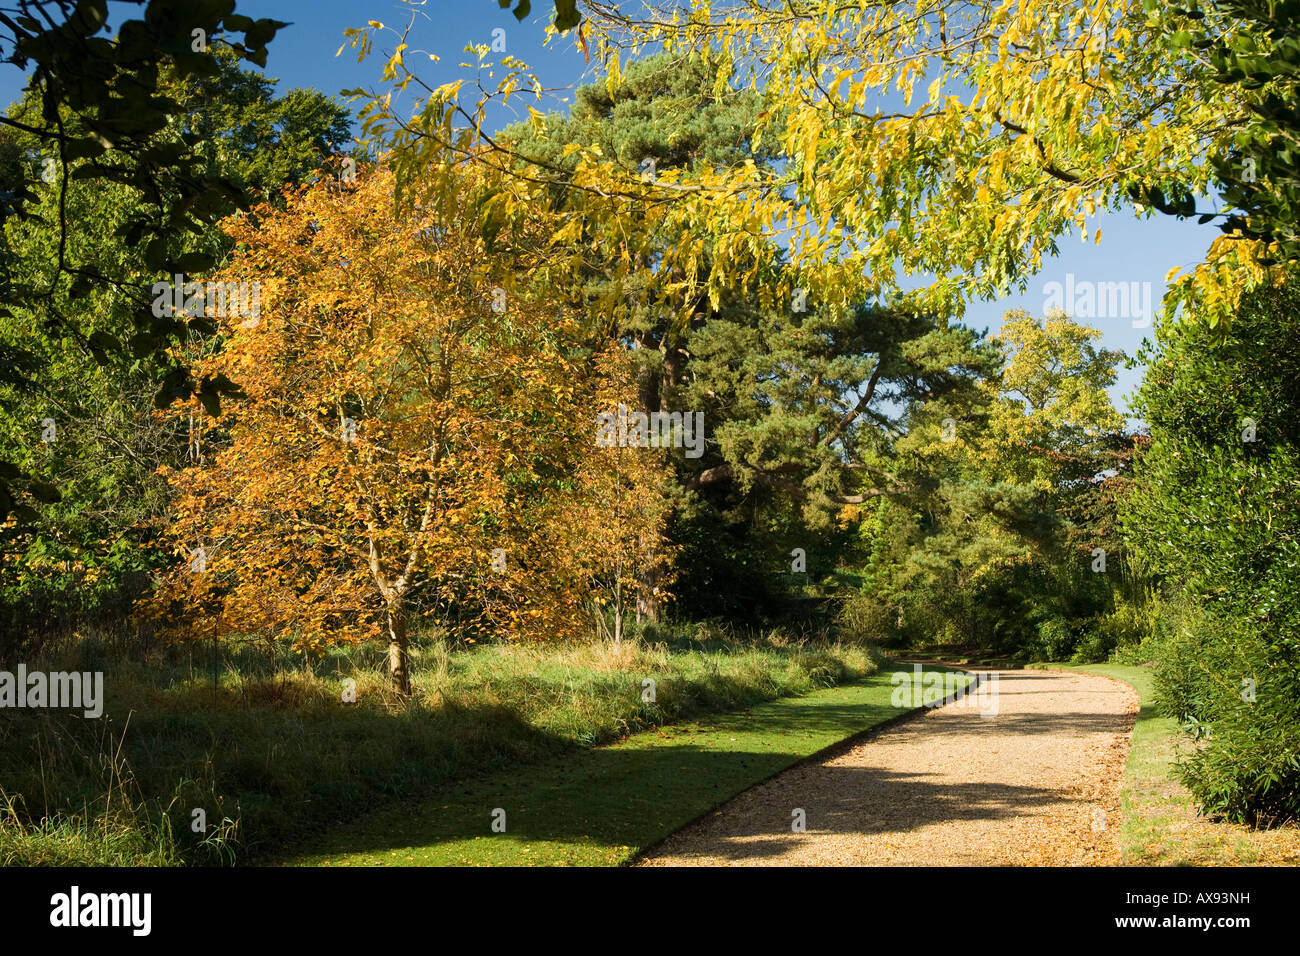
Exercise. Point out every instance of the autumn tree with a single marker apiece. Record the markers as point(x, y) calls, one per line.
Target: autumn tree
point(956, 143)
point(393, 391)
point(615, 519)
point(961, 142)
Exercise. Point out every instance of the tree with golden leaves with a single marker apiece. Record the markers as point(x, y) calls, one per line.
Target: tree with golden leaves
point(396, 399)
point(613, 526)
point(959, 141)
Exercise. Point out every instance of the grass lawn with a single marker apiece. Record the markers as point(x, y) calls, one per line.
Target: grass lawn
point(602, 806)
point(1161, 827)
point(273, 756)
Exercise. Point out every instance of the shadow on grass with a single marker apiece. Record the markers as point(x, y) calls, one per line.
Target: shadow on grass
point(606, 805)
point(603, 805)
point(282, 775)
point(284, 757)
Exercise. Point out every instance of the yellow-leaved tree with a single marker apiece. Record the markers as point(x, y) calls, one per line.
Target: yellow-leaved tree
point(399, 405)
point(955, 141)
point(613, 526)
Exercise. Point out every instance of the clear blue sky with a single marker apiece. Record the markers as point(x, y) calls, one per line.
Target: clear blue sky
point(303, 55)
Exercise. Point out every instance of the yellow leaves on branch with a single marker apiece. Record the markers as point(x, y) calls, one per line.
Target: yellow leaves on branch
point(1047, 109)
point(1210, 292)
point(394, 424)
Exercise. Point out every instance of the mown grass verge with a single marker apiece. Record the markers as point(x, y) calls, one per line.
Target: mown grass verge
point(603, 806)
point(272, 756)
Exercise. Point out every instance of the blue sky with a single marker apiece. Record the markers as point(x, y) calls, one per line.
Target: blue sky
point(303, 55)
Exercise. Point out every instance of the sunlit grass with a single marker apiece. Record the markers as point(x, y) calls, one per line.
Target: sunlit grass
point(271, 754)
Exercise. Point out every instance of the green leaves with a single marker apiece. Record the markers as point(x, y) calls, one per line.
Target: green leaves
point(1174, 199)
point(155, 253)
point(1259, 171)
point(174, 385)
point(566, 11)
point(522, 7)
point(566, 14)
point(158, 148)
point(101, 345)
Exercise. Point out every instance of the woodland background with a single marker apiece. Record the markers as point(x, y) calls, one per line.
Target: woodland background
point(389, 479)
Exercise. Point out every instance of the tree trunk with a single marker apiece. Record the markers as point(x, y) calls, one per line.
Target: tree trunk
point(398, 662)
point(618, 610)
point(651, 385)
point(648, 604)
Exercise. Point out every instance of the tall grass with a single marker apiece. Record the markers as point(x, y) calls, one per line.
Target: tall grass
point(267, 749)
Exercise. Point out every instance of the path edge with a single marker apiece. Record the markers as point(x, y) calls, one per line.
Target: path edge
point(830, 750)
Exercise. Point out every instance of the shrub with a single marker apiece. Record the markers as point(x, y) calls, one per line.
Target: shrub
point(1229, 686)
point(1215, 509)
point(1055, 641)
point(864, 618)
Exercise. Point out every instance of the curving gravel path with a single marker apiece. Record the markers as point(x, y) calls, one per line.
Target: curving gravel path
point(1036, 784)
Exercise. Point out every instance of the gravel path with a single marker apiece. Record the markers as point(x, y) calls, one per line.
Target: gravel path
point(1037, 783)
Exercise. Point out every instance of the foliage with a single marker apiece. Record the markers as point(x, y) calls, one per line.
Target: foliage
point(671, 114)
point(614, 518)
point(99, 107)
point(1050, 401)
point(1001, 555)
point(388, 408)
point(922, 139)
point(1213, 512)
point(1256, 49)
point(82, 425)
point(257, 138)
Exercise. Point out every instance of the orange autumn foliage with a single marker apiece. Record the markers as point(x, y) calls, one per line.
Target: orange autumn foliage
point(396, 430)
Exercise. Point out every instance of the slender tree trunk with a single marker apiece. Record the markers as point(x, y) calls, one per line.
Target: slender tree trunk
point(398, 662)
point(650, 385)
point(618, 605)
